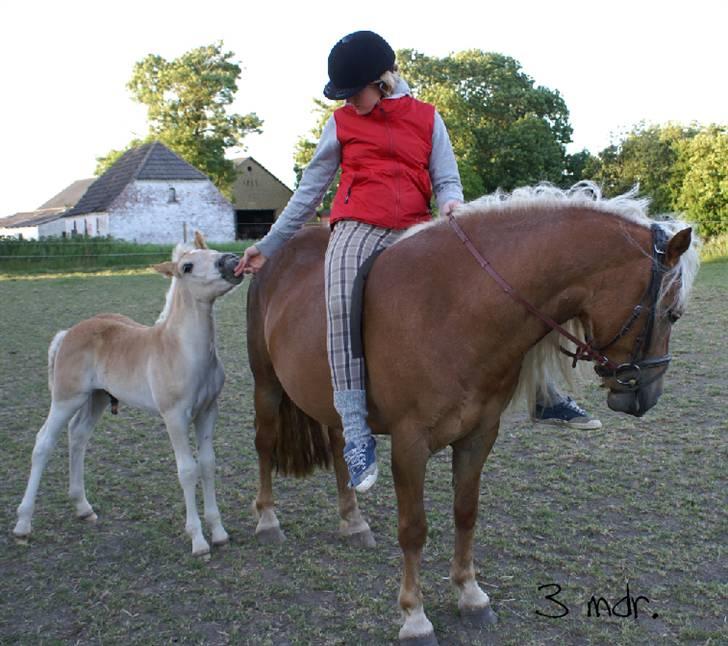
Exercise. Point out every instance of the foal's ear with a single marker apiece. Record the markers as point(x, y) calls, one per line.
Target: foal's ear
point(200, 241)
point(168, 269)
point(678, 245)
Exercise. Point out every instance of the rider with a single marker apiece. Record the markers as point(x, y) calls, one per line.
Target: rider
point(393, 150)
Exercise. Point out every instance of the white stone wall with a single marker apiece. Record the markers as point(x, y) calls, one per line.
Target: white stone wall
point(90, 224)
point(146, 211)
point(27, 233)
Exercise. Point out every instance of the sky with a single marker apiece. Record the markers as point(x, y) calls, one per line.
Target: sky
point(65, 66)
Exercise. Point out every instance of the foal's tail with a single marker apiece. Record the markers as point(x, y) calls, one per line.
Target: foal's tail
point(52, 351)
point(302, 444)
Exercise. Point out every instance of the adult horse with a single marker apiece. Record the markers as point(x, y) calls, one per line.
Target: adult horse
point(446, 343)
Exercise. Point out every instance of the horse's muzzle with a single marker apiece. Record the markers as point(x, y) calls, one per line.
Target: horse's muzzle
point(635, 402)
point(226, 264)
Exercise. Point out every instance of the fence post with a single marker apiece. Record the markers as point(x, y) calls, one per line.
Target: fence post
point(184, 232)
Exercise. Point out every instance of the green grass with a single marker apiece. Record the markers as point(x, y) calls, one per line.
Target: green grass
point(642, 501)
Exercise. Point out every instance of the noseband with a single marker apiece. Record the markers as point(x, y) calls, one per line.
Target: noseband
point(628, 375)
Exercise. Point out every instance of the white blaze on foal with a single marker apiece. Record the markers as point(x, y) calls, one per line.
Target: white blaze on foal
point(170, 368)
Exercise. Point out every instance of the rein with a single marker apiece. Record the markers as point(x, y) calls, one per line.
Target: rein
point(626, 374)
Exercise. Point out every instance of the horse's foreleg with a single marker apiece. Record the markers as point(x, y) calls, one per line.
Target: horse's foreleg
point(45, 440)
point(79, 431)
point(177, 423)
point(408, 467)
point(352, 526)
point(267, 402)
point(205, 427)
point(468, 457)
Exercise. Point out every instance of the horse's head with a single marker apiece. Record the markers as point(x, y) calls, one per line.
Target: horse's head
point(637, 347)
point(206, 273)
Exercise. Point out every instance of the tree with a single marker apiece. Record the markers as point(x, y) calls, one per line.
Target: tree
point(648, 156)
point(187, 100)
point(704, 190)
point(505, 131)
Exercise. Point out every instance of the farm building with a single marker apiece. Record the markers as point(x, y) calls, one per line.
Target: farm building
point(46, 220)
point(258, 198)
point(150, 194)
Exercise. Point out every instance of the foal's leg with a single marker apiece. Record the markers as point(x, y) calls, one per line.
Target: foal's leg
point(45, 440)
point(267, 402)
point(178, 423)
point(468, 457)
point(205, 426)
point(352, 526)
point(79, 431)
point(408, 466)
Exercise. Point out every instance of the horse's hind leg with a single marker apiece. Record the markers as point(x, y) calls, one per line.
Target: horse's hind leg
point(79, 431)
point(58, 416)
point(352, 526)
point(267, 402)
point(204, 427)
point(468, 457)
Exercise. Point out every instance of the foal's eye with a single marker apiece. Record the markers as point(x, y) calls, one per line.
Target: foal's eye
point(187, 267)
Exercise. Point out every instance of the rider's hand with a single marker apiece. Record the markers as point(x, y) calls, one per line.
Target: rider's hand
point(449, 207)
point(251, 261)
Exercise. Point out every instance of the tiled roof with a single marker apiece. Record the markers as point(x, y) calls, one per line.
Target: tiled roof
point(150, 161)
point(69, 196)
point(32, 218)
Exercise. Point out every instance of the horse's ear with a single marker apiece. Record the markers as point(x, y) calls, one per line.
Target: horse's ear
point(200, 241)
point(168, 269)
point(678, 245)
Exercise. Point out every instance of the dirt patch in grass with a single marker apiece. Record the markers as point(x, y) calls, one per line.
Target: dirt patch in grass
point(639, 503)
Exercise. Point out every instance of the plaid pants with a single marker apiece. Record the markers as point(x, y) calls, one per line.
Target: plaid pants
point(350, 245)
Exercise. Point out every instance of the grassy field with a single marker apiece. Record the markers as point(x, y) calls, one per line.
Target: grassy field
point(641, 503)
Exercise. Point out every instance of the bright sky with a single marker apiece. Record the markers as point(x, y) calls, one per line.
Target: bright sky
point(65, 66)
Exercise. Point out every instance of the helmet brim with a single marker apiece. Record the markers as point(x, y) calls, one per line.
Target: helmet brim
point(337, 93)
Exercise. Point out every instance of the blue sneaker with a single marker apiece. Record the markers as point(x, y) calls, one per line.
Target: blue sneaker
point(362, 462)
point(565, 412)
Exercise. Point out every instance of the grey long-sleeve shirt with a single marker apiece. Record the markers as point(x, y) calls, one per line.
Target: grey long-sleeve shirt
point(322, 168)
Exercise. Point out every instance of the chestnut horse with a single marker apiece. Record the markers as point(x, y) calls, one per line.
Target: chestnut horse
point(446, 345)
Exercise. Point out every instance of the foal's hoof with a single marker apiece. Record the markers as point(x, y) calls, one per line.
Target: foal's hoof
point(22, 539)
point(421, 640)
point(89, 517)
point(478, 617)
point(221, 543)
point(270, 536)
point(361, 539)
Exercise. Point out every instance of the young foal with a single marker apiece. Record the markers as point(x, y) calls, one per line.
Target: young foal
point(171, 368)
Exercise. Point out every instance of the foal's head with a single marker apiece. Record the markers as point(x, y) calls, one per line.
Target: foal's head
point(206, 274)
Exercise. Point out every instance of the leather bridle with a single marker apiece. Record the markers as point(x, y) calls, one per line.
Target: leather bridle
point(628, 375)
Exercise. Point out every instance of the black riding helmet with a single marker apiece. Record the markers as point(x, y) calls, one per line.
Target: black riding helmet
point(355, 61)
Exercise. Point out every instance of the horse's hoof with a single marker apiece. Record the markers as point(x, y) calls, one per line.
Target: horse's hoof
point(89, 517)
point(22, 539)
point(270, 536)
point(361, 539)
point(478, 617)
point(420, 640)
point(221, 543)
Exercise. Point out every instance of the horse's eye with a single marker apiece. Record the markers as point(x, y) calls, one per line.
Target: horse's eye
point(187, 267)
point(673, 317)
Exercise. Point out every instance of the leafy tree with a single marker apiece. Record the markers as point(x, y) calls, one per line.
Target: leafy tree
point(704, 190)
point(648, 156)
point(505, 131)
point(187, 101)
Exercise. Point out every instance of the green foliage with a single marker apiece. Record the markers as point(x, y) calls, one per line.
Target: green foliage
point(187, 101)
point(704, 190)
point(648, 156)
point(505, 131)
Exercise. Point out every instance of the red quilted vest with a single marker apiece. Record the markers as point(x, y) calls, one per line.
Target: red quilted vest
point(385, 158)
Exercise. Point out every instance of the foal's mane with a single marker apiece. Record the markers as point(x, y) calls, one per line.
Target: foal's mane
point(544, 363)
point(177, 253)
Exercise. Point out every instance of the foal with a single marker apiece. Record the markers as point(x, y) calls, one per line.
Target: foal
point(171, 368)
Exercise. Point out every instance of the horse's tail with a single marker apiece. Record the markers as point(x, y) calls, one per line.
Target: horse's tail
point(52, 352)
point(297, 443)
point(302, 443)
point(545, 364)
